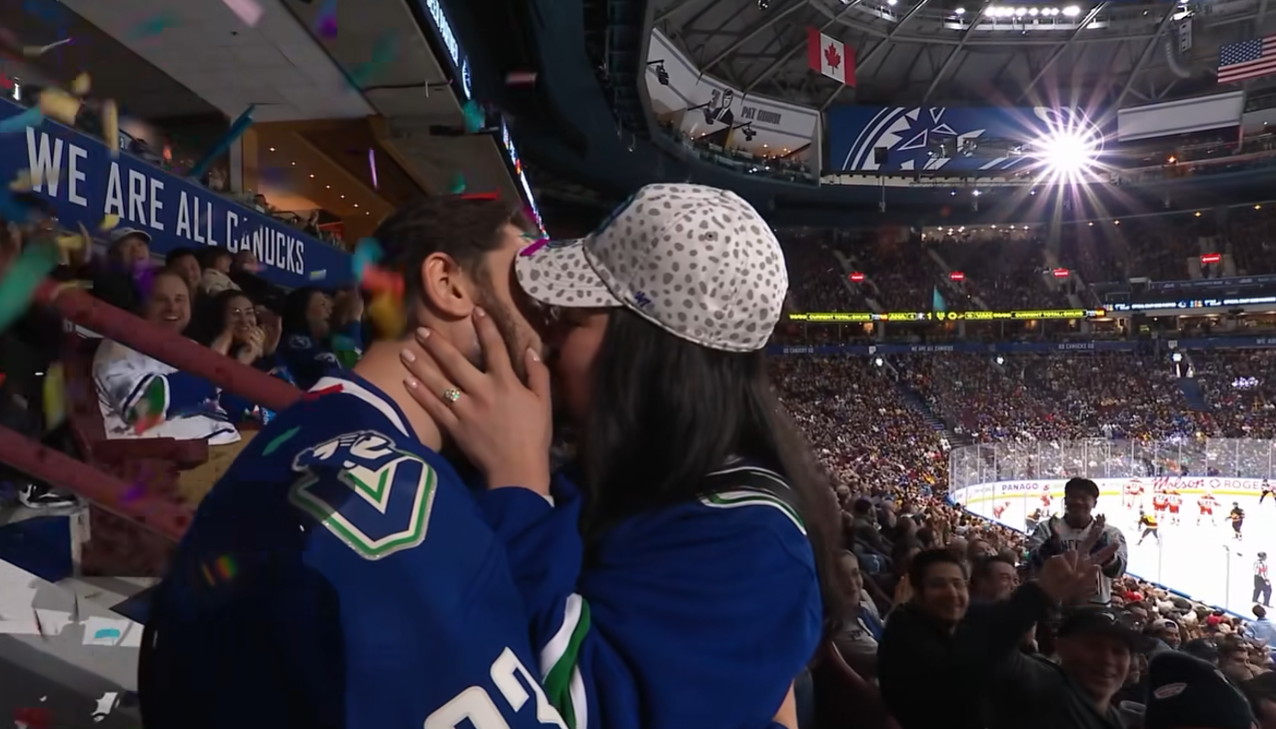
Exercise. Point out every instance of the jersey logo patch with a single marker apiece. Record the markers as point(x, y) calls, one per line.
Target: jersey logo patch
point(371, 495)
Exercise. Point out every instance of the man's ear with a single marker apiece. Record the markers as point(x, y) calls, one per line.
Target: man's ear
point(445, 287)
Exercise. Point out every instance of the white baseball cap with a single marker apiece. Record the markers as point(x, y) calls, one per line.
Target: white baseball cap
point(697, 261)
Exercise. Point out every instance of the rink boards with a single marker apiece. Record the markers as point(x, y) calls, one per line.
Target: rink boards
point(1202, 561)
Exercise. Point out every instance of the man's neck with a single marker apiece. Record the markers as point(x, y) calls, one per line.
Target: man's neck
point(381, 366)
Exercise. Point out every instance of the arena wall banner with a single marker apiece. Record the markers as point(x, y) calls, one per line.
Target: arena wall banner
point(947, 138)
point(85, 185)
point(776, 126)
point(965, 347)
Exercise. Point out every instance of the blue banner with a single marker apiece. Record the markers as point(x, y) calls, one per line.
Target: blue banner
point(85, 185)
point(918, 139)
point(1013, 347)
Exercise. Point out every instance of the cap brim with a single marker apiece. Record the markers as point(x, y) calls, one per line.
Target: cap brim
point(560, 274)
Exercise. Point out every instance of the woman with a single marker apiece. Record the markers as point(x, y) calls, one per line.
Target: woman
point(236, 328)
point(699, 583)
point(318, 333)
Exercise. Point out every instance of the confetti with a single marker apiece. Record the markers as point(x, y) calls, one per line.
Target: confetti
point(236, 131)
point(46, 10)
point(458, 184)
point(387, 316)
point(34, 718)
point(520, 78)
point(480, 196)
point(111, 126)
point(366, 251)
point(73, 243)
point(54, 389)
point(81, 84)
point(326, 21)
point(248, 11)
point(37, 51)
point(475, 117)
point(58, 104)
point(226, 567)
point(383, 53)
point(319, 275)
point(32, 117)
point(273, 445)
point(110, 222)
point(535, 245)
point(379, 280)
point(153, 26)
point(135, 492)
point(13, 209)
point(22, 279)
point(372, 165)
point(26, 180)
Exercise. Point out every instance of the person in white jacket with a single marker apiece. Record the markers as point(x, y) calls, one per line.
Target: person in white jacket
point(1079, 529)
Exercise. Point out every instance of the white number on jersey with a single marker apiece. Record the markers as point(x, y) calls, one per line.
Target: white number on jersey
point(475, 705)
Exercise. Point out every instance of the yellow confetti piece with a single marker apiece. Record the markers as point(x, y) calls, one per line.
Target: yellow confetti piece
point(110, 222)
point(54, 396)
point(37, 51)
point(26, 180)
point(111, 126)
point(388, 316)
point(81, 85)
point(58, 104)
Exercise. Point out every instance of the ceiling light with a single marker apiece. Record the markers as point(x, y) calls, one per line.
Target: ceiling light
point(312, 175)
point(960, 11)
point(272, 149)
point(327, 187)
point(294, 164)
point(1020, 12)
point(1071, 11)
point(356, 205)
point(1033, 12)
point(343, 197)
point(891, 2)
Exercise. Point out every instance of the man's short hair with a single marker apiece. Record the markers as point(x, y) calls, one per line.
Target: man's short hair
point(1083, 485)
point(925, 559)
point(177, 254)
point(982, 568)
point(465, 229)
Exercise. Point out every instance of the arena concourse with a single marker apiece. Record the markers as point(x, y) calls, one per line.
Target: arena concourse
point(1030, 251)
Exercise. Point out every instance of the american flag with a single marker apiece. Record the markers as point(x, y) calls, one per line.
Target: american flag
point(1247, 59)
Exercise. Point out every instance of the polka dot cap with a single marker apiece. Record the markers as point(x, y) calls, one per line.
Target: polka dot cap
point(698, 261)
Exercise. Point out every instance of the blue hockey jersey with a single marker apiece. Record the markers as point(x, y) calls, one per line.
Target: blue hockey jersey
point(341, 575)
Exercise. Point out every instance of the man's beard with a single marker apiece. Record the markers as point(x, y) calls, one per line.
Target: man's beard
point(514, 344)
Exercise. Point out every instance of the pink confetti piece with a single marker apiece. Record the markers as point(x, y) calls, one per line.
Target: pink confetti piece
point(535, 246)
point(326, 21)
point(247, 10)
point(372, 165)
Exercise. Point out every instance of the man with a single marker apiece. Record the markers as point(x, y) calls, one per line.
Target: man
point(1266, 491)
point(129, 253)
point(1263, 629)
point(1147, 522)
point(1167, 635)
point(1261, 692)
point(1078, 527)
point(1206, 503)
point(1188, 693)
point(1262, 582)
point(340, 574)
point(1095, 646)
point(1237, 517)
point(929, 645)
point(993, 579)
point(184, 263)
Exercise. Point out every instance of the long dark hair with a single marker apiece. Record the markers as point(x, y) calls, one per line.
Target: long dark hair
point(665, 413)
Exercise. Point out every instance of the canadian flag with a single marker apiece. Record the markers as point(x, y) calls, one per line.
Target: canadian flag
point(830, 57)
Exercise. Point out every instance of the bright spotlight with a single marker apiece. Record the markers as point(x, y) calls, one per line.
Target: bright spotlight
point(960, 11)
point(1065, 154)
point(1033, 12)
point(1072, 11)
point(1021, 12)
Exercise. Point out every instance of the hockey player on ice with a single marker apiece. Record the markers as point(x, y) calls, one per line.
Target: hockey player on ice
point(1175, 500)
point(1237, 517)
point(1206, 502)
point(1267, 491)
point(1133, 490)
point(1078, 529)
point(1147, 522)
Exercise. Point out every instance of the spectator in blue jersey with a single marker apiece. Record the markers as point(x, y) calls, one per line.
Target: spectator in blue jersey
point(703, 574)
point(342, 575)
point(315, 325)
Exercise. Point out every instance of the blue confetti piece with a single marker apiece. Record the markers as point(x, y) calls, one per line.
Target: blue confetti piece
point(475, 117)
point(106, 634)
point(30, 118)
point(45, 10)
point(366, 251)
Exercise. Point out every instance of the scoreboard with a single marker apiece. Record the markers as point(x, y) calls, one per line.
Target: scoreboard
point(942, 316)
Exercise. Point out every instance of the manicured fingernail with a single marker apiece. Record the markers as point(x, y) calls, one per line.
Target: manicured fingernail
point(423, 333)
point(407, 356)
point(535, 357)
point(478, 311)
point(411, 383)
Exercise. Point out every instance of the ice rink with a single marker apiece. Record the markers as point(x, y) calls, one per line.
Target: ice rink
point(1203, 562)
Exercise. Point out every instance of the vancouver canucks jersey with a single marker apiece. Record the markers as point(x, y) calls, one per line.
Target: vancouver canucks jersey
point(341, 575)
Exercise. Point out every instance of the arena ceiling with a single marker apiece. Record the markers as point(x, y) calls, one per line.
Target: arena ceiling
point(1097, 54)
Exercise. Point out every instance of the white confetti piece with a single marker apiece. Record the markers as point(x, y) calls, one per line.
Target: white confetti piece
point(247, 10)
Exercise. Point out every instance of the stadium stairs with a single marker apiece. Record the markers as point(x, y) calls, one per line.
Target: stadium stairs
point(918, 403)
point(1192, 392)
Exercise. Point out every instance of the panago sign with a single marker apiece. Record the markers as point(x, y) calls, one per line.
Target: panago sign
point(444, 27)
point(776, 125)
point(971, 495)
point(85, 184)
